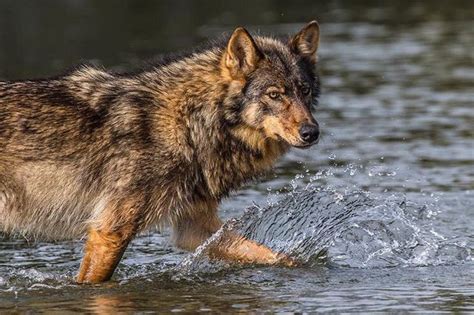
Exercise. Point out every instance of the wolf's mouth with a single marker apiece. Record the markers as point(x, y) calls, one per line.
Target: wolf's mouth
point(298, 146)
point(306, 145)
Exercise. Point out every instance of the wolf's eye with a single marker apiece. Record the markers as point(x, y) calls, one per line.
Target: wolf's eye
point(274, 95)
point(305, 90)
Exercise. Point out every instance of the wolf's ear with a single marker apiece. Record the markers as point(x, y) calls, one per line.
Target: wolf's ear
point(242, 54)
point(306, 42)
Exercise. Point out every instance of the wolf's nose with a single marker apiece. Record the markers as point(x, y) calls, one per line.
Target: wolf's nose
point(309, 133)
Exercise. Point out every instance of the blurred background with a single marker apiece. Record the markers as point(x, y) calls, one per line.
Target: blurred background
point(40, 38)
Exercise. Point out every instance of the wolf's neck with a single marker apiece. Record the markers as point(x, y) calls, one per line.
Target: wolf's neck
point(196, 99)
point(193, 76)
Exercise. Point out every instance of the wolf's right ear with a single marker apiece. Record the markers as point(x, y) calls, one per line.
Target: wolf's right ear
point(242, 54)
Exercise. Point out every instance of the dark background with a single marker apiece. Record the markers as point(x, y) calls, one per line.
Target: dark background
point(41, 38)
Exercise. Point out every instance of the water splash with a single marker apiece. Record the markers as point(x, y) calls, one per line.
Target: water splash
point(396, 232)
point(20, 280)
point(336, 228)
point(342, 229)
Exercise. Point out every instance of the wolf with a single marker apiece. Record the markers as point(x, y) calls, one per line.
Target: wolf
point(103, 155)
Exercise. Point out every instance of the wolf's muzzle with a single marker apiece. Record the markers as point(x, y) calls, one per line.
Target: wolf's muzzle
point(309, 133)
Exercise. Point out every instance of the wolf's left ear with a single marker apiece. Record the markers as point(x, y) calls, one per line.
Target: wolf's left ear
point(242, 54)
point(306, 42)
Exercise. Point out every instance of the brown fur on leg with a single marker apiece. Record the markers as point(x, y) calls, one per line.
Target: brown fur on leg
point(235, 247)
point(103, 251)
point(109, 237)
point(190, 232)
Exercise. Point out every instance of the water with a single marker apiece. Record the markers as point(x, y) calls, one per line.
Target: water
point(327, 227)
point(388, 192)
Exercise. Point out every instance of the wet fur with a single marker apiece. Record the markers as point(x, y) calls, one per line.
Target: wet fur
point(95, 149)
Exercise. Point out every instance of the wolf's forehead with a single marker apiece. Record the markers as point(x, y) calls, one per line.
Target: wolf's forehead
point(283, 59)
point(286, 67)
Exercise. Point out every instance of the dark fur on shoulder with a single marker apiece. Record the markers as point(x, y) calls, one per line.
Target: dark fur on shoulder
point(114, 154)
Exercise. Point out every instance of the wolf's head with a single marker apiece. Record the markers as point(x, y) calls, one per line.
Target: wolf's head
point(273, 85)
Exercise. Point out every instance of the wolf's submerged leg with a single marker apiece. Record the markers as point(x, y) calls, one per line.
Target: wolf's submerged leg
point(189, 234)
point(235, 247)
point(108, 238)
point(102, 253)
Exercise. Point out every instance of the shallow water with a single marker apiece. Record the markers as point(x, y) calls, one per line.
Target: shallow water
point(397, 116)
point(326, 227)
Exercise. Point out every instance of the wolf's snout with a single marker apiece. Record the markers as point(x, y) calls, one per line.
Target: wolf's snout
point(309, 133)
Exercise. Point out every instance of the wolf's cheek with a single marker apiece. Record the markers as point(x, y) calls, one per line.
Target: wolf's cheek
point(276, 129)
point(252, 115)
point(272, 128)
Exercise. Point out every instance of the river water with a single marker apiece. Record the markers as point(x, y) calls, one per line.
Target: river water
point(380, 214)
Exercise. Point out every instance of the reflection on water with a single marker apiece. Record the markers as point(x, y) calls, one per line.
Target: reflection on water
point(396, 115)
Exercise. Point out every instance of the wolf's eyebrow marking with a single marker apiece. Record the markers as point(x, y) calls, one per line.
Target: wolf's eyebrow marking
point(274, 88)
point(302, 84)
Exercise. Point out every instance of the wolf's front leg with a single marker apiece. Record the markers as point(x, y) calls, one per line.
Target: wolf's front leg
point(108, 238)
point(192, 231)
point(234, 247)
point(102, 253)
